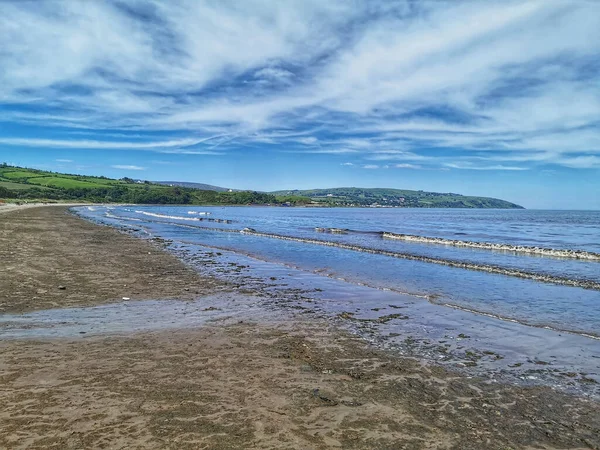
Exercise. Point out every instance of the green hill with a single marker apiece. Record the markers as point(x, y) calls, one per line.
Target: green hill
point(397, 198)
point(202, 186)
point(22, 184)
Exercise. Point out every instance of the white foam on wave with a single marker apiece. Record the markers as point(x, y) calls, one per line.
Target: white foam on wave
point(112, 216)
point(189, 219)
point(552, 252)
point(165, 216)
point(199, 213)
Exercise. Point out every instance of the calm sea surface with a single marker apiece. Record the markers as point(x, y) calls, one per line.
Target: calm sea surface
point(551, 288)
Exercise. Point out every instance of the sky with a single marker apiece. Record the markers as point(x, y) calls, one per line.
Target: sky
point(486, 98)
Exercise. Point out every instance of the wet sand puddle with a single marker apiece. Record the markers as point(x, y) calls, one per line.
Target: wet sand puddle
point(129, 317)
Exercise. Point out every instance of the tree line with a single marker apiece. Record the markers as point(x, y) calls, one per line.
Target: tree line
point(150, 194)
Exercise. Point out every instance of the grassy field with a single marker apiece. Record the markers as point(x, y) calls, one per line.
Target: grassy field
point(32, 184)
point(30, 177)
point(64, 182)
point(14, 186)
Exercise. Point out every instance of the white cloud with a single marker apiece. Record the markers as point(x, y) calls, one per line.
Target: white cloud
point(64, 160)
point(383, 79)
point(274, 75)
point(107, 145)
point(370, 166)
point(127, 167)
point(396, 155)
point(310, 140)
point(406, 166)
point(581, 162)
point(473, 167)
point(332, 151)
point(346, 164)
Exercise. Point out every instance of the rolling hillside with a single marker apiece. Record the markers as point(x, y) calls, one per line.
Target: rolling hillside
point(397, 198)
point(202, 186)
point(22, 184)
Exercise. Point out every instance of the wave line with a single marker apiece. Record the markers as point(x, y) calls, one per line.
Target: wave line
point(555, 253)
point(545, 278)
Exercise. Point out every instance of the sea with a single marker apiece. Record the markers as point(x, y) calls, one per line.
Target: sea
point(499, 293)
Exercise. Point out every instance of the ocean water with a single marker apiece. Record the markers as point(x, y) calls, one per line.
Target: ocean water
point(538, 268)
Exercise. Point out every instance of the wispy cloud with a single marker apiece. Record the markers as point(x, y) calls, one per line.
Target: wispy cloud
point(385, 80)
point(127, 167)
point(473, 167)
point(406, 166)
point(104, 145)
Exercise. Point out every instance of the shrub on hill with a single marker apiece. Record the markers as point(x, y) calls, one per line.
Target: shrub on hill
point(6, 193)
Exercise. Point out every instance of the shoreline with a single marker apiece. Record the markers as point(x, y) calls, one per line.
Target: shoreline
point(10, 207)
point(250, 381)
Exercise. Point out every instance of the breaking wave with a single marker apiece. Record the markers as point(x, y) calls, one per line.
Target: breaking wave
point(555, 253)
point(193, 219)
point(545, 278)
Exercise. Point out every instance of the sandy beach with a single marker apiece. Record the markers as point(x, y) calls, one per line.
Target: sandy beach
point(272, 381)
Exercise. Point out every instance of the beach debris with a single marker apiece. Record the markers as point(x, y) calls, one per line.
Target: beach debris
point(62, 288)
point(212, 308)
point(346, 315)
point(350, 403)
point(126, 298)
point(385, 319)
point(325, 398)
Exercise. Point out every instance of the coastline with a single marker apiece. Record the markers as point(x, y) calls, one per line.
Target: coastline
point(253, 381)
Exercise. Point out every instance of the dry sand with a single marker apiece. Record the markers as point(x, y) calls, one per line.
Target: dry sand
point(257, 384)
point(44, 248)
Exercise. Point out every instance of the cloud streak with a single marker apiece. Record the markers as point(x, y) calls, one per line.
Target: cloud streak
point(127, 167)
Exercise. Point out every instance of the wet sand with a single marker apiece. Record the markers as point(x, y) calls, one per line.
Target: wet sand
point(261, 381)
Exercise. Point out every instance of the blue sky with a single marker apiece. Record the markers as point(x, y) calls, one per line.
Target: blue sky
point(486, 98)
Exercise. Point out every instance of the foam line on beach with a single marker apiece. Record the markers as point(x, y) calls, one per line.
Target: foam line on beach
point(550, 252)
point(195, 227)
point(544, 278)
point(510, 319)
point(113, 216)
point(192, 219)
